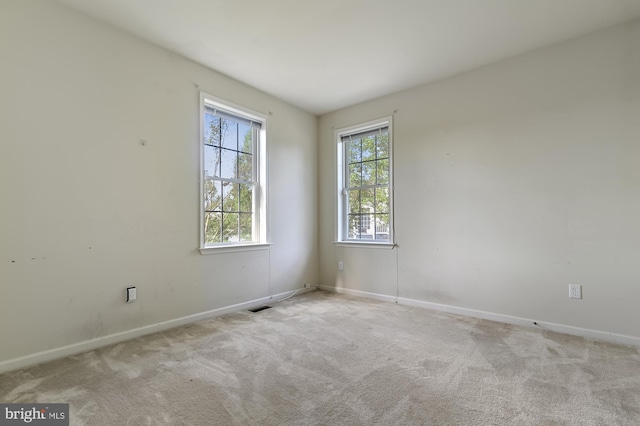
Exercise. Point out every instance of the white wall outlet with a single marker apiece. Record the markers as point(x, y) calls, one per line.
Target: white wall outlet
point(341, 266)
point(131, 294)
point(575, 291)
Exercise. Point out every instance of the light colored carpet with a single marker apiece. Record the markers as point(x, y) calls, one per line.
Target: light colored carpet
point(324, 358)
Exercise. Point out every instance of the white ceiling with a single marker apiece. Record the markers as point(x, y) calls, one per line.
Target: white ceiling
point(327, 54)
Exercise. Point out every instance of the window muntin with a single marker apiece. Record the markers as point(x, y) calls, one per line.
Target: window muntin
point(232, 196)
point(365, 213)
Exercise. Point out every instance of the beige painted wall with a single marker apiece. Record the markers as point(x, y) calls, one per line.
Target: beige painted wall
point(511, 182)
point(87, 211)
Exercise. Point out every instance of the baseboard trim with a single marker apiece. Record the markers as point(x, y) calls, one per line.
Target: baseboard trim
point(89, 345)
point(350, 292)
point(508, 319)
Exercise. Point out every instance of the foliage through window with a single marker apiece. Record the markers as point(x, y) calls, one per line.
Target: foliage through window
point(364, 157)
point(232, 205)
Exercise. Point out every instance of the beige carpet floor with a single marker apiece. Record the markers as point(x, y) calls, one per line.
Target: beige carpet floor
point(329, 359)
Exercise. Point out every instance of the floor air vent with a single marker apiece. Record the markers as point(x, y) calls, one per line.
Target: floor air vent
point(259, 308)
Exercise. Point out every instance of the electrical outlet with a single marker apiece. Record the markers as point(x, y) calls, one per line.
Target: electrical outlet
point(307, 285)
point(341, 266)
point(575, 291)
point(131, 294)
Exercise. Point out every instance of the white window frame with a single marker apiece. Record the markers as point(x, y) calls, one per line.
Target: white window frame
point(342, 232)
point(260, 226)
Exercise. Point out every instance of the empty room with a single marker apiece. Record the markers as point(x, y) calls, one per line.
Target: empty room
point(347, 212)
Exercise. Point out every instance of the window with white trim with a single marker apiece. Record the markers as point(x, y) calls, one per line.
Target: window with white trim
point(365, 197)
point(233, 178)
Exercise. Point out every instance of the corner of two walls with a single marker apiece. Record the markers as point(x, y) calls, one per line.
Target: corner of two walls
point(512, 181)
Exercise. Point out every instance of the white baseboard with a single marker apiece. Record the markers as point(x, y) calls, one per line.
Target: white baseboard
point(508, 319)
point(89, 345)
point(368, 295)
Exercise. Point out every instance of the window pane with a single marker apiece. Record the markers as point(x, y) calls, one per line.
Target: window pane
point(366, 230)
point(212, 195)
point(355, 175)
point(368, 148)
point(229, 197)
point(208, 118)
point(230, 227)
point(383, 172)
point(246, 198)
point(245, 167)
point(246, 224)
point(361, 227)
point(229, 134)
point(369, 173)
point(354, 202)
point(212, 228)
point(245, 141)
point(229, 164)
point(354, 226)
point(382, 200)
point(382, 146)
point(355, 151)
point(366, 200)
point(382, 226)
point(211, 130)
point(211, 161)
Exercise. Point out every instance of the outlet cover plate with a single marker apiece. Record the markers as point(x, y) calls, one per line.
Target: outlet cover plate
point(575, 291)
point(131, 294)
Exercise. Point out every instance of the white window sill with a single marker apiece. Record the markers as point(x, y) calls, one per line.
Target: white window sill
point(363, 244)
point(232, 248)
